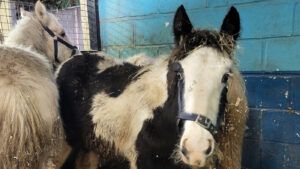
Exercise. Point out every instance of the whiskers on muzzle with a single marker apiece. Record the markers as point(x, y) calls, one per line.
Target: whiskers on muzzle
point(213, 160)
point(177, 155)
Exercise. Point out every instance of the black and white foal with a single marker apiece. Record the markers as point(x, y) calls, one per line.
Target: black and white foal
point(127, 116)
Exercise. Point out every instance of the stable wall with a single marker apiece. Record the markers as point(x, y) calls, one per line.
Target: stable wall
point(268, 54)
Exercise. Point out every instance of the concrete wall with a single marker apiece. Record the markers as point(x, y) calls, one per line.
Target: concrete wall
point(268, 55)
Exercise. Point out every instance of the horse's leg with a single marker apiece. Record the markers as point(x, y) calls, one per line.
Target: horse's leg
point(87, 160)
point(56, 158)
point(60, 159)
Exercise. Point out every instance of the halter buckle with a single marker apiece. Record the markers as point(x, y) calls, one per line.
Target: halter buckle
point(205, 123)
point(180, 77)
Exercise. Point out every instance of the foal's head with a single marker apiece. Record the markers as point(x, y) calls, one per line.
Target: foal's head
point(204, 58)
point(31, 32)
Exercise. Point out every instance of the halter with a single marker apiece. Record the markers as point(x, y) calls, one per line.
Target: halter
point(57, 39)
point(201, 120)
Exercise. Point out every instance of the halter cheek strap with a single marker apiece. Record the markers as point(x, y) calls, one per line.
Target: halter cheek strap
point(201, 120)
point(57, 39)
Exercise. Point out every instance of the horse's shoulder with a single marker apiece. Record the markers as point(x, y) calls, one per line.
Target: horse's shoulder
point(86, 61)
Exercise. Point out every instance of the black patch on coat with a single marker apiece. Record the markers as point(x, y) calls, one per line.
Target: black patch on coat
point(158, 137)
point(78, 82)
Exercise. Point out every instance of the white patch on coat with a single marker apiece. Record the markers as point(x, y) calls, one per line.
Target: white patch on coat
point(119, 120)
point(108, 61)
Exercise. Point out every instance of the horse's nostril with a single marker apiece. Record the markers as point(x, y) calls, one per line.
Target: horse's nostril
point(209, 149)
point(184, 151)
point(198, 163)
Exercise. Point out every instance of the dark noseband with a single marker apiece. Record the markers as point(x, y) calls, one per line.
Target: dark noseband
point(201, 120)
point(57, 39)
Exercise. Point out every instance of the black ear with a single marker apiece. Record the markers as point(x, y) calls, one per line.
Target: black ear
point(181, 24)
point(231, 23)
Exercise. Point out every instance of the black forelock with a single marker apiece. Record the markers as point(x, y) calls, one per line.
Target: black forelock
point(205, 38)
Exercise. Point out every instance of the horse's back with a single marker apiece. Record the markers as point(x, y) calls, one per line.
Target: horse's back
point(28, 108)
point(21, 63)
point(73, 79)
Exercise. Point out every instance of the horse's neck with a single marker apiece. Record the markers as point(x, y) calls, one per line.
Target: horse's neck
point(155, 84)
point(27, 33)
point(170, 103)
point(137, 101)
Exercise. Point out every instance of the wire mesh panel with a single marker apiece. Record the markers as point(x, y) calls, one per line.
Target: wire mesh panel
point(5, 18)
point(72, 22)
point(72, 19)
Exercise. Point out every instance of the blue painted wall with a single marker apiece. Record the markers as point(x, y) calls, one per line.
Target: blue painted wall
point(272, 138)
point(268, 55)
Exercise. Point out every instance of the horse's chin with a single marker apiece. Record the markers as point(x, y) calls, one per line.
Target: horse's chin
point(197, 165)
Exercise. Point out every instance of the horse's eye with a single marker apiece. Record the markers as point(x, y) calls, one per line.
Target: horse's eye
point(63, 34)
point(225, 78)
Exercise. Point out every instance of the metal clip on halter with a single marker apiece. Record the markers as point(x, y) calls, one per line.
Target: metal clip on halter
point(179, 75)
